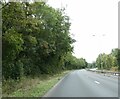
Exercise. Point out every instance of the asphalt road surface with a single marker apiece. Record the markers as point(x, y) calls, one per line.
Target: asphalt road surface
point(82, 83)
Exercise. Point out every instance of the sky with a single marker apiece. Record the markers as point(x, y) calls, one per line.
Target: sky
point(94, 25)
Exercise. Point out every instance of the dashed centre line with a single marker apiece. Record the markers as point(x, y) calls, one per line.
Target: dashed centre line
point(97, 82)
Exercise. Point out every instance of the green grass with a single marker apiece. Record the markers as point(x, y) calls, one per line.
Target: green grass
point(29, 87)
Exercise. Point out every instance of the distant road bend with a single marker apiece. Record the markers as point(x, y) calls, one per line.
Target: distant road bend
point(82, 83)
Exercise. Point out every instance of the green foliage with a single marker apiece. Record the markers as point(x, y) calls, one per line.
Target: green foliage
point(71, 62)
point(116, 54)
point(35, 39)
point(108, 61)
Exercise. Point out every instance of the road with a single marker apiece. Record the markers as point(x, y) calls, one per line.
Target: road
point(82, 83)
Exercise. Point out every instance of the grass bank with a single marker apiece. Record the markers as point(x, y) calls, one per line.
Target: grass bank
point(31, 87)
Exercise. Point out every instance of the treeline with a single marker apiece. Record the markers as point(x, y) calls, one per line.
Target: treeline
point(35, 40)
point(72, 62)
point(107, 61)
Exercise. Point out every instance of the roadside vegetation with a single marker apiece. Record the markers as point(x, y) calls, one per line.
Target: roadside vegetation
point(36, 44)
point(110, 62)
point(31, 87)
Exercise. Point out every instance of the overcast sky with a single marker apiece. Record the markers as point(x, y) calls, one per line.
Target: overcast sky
point(94, 25)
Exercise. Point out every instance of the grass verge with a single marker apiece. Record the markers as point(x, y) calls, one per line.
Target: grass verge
point(32, 87)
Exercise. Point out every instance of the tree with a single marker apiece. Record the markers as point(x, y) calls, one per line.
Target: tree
point(71, 62)
point(35, 39)
point(116, 54)
point(107, 61)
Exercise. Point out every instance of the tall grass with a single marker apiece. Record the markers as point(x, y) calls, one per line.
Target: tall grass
point(30, 87)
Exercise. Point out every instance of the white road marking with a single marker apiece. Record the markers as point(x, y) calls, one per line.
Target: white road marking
point(97, 82)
